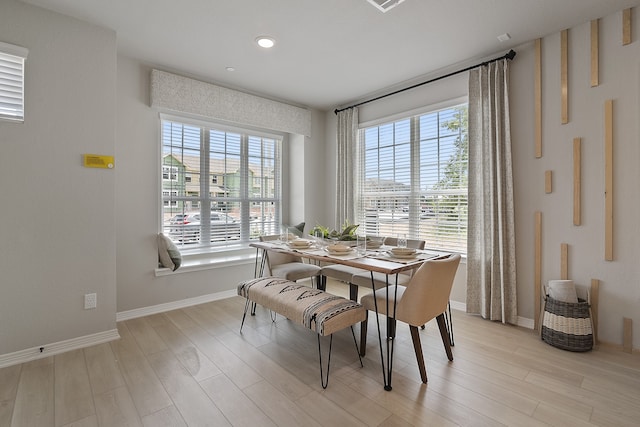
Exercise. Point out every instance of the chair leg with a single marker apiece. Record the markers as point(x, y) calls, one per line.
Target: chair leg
point(445, 335)
point(363, 334)
point(415, 337)
point(449, 320)
point(353, 292)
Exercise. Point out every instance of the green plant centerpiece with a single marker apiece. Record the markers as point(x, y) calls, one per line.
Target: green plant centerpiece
point(347, 234)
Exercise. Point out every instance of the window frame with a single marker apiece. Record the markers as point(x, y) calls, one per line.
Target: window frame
point(244, 199)
point(14, 58)
point(413, 194)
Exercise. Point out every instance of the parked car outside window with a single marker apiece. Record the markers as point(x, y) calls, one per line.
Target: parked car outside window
point(187, 227)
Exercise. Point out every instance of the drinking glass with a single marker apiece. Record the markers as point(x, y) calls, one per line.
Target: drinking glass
point(319, 235)
point(402, 240)
point(284, 234)
point(361, 244)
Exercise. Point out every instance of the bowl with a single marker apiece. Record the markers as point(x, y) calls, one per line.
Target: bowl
point(373, 244)
point(300, 243)
point(337, 248)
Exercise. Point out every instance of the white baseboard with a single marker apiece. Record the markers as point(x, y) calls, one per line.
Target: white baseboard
point(526, 323)
point(174, 305)
point(46, 350)
point(457, 305)
point(522, 321)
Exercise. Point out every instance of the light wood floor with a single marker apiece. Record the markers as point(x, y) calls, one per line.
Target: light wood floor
point(193, 367)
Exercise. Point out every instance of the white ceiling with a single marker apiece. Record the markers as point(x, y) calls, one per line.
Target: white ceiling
point(328, 53)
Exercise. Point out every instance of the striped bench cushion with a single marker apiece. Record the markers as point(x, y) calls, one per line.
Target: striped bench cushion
point(318, 310)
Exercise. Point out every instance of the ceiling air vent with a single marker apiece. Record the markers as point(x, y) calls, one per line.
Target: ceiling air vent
point(385, 5)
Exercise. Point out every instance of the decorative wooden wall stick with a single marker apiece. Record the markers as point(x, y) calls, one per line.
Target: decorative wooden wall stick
point(577, 155)
point(595, 38)
point(608, 180)
point(548, 182)
point(537, 84)
point(537, 281)
point(564, 261)
point(627, 335)
point(564, 75)
point(595, 296)
point(626, 26)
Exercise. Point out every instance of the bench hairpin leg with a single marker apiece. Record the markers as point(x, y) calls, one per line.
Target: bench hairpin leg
point(246, 307)
point(357, 349)
point(324, 381)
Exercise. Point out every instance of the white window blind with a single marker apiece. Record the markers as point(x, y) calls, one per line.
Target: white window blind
point(414, 178)
point(220, 187)
point(12, 59)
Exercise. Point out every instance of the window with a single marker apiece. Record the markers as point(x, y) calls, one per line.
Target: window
point(169, 173)
point(413, 178)
point(12, 60)
point(220, 186)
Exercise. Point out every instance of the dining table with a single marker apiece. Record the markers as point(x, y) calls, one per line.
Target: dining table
point(380, 260)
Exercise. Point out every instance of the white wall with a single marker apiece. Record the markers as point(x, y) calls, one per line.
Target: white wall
point(57, 223)
point(620, 81)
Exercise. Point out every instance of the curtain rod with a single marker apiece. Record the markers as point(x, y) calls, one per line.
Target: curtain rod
point(509, 55)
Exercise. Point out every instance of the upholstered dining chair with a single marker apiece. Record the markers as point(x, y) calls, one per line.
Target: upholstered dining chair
point(287, 266)
point(363, 278)
point(425, 297)
point(343, 273)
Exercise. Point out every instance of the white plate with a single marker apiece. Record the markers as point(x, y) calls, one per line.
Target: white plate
point(300, 245)
point(347, 252)
point(402, 251)
point(402, 256)
point(300, 242)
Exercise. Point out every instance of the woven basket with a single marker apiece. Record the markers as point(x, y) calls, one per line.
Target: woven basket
point(567, 325)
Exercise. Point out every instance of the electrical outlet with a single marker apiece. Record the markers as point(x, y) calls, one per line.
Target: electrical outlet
point(90, 301)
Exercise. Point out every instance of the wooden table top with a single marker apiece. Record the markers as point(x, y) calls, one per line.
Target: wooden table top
point(373, 261)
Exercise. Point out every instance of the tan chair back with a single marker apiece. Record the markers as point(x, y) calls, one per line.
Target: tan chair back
point(427, 294)
point(276, 258)
point(411, 243)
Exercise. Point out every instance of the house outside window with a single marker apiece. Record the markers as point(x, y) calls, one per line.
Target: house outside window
point(219, 205)
point(413, 178)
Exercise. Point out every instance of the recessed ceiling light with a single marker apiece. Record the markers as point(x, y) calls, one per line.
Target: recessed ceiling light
point(265, 42)
point(230, 69)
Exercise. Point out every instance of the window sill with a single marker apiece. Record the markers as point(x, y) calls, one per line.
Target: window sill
point(208, 261)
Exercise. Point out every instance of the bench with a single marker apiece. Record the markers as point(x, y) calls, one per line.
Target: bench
point(320, 311)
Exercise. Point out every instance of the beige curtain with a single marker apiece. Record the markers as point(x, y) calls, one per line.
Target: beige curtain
point(491, 262)
point(346, 164)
